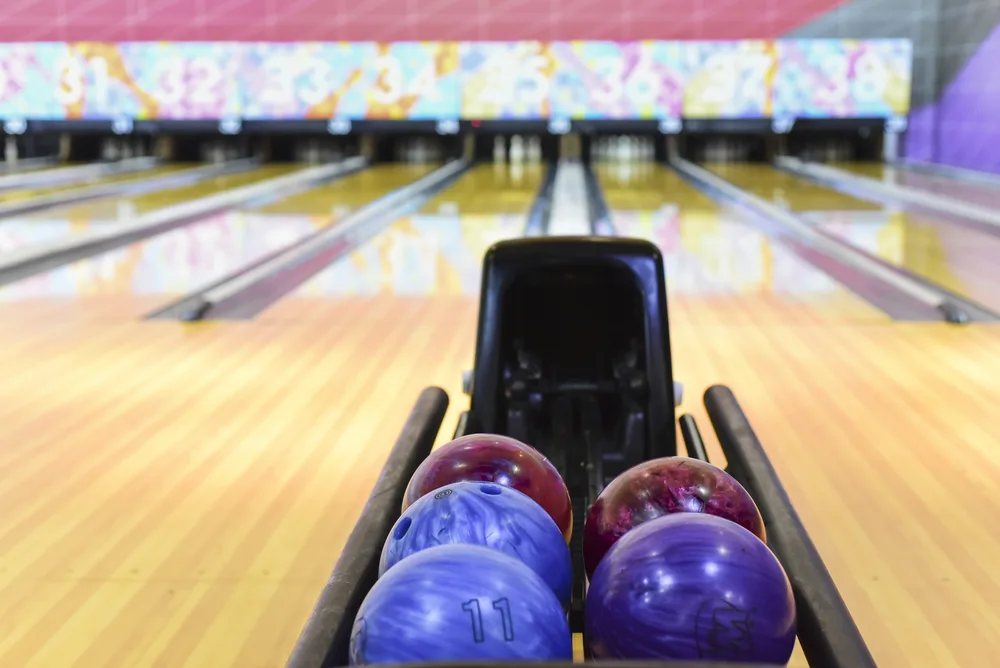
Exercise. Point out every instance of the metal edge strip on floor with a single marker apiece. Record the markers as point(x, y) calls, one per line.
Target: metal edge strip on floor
point(790, 228)
point(88, 194)
point(949, 171)
point(838, 179)
point(19, 264)
point(249, 291)
point(76, 173)
point(601, 222)
point(540, 214)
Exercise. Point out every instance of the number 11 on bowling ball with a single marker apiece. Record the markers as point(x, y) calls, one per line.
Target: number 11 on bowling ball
point(497, 459)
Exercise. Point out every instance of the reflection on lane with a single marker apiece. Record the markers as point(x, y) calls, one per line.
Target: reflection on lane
point(119, 209)
point(953, 256)
point(708, 250)
point(439, 250)
point(340, 197)
point(980, 194)
point(947, 253)
point(11, 196)
point(495, 189)
point(180, 261)
point(54, 224)
point(168, 265)
point(786, 190)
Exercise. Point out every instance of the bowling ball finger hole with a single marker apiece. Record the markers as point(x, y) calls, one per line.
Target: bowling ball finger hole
point(402, 528)
point(492, 490)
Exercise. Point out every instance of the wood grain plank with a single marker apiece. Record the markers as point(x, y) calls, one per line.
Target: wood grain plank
point(177, 495)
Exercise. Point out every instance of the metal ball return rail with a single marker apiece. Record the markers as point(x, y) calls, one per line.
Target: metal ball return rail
point(573, 357)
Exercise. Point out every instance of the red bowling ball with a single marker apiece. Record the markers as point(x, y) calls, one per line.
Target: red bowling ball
point(501, 460)
point(661, 487)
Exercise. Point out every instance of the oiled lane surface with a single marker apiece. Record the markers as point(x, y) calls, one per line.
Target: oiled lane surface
point(63, 222)
point(716, 262)
point(945, 252)
point(21, 194)
point(786, 189)
point(436, 252)
point(128, 282)
point(980, 194)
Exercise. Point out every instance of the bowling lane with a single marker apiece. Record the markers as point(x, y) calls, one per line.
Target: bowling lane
point(341, 197)
point(980, 194)
point(131, 281)
point(21, 194)
point(492, 190)
point(787, 190)
point(62, 222)
point(719, 268)
point(434, 253)
point(945, 252)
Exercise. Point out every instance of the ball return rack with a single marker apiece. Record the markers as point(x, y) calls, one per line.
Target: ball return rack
point(573, 357)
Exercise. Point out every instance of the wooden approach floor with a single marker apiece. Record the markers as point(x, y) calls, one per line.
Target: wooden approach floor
point(177, 495)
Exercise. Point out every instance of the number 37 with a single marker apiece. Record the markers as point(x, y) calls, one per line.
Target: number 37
point(502, 606)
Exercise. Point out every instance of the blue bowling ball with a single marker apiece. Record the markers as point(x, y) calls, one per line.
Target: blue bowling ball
point(460, 603)
point(483, 513)
point(690, 587)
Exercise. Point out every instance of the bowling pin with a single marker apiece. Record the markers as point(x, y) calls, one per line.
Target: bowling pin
point(499, 149)
point(534, 149)
point(517, 149)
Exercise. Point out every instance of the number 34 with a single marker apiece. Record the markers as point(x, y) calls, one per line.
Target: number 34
point(502, 606)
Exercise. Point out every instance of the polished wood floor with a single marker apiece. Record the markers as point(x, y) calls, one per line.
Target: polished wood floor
point(175, 496)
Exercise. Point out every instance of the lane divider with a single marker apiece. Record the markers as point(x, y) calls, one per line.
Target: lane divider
point(601, 220)
point(305, 258)
point(949, 171)
point(540, 214)
point(162, 182)
point(37, 258)
point(838, 178)
point(51, 177)
point(20, 165)
point(570, 216)
point(954, 308)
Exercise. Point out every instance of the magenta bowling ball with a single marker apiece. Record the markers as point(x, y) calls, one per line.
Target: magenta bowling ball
point(662, 487)
point(497, 459)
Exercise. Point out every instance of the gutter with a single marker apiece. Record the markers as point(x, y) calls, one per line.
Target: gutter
point(65, 175)
point(601, 222)
point(865, 187)
point(895, 291)
point(956, 173)
point(248, 291)
point(81, 195)
point(540, 214)
point(39, 258)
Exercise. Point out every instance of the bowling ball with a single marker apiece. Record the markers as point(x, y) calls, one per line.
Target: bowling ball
point(660, 487)
point(690, 587)
point(460, 603)
point(500, 459)
point(484, 513)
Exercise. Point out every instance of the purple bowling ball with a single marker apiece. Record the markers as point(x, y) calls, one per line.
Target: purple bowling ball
point(690, 587)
